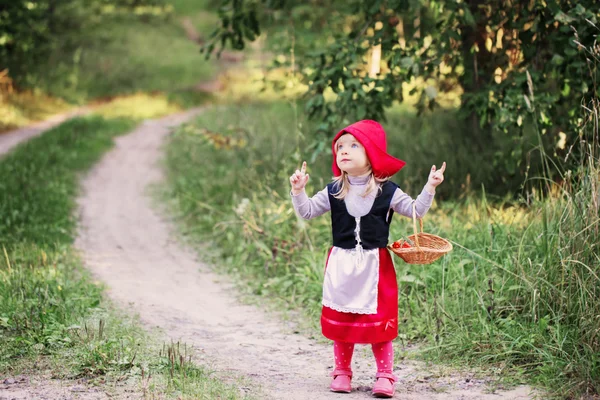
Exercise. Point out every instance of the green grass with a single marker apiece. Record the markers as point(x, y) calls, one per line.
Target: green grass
point(202, 14)
point(124, 56)
point(53, 318)
point(43, 293)
point(40, 180)
point(519, 293)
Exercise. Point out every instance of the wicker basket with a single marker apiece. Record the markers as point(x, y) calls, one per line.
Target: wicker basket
point(427, 247)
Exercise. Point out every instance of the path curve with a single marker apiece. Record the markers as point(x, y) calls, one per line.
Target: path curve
point(132, 248)
point(10, 139)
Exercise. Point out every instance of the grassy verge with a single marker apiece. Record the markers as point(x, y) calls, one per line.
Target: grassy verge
point(53, 319)
point(518, 296)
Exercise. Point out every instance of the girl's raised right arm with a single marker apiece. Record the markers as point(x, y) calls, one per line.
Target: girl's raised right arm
point(305, 207)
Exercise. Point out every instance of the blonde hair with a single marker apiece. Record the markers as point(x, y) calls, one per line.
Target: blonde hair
point(343, 184)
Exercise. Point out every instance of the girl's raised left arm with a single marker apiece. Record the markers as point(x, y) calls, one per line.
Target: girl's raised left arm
point(402, 203)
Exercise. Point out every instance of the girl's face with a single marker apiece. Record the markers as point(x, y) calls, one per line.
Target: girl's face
point(351, 156)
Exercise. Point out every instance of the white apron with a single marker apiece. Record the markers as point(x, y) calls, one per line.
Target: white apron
point(351, 278)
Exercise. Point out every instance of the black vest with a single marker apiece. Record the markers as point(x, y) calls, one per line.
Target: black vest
point(374, 227)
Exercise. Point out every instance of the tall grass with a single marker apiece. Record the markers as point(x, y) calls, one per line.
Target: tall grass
point(518, 293)
point(42, 293)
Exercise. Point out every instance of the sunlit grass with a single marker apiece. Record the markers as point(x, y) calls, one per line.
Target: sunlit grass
point(18, 109)
point(138, 106)
point(249, 82)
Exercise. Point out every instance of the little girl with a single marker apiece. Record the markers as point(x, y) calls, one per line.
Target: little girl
point(360, 292)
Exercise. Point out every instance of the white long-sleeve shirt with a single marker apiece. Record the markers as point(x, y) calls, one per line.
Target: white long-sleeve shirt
point(357, 205)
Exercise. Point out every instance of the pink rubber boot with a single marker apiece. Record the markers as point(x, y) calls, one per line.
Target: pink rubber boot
point(341, 381)
point(384, 387)
point(342, 374)
point(384, 357)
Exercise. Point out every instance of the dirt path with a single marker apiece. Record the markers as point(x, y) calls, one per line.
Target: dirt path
point(10, 139)
point(130, 247)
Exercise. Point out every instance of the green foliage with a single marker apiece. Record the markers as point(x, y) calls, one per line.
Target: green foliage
point(422, 142)
point(99, 48)
point(237, 26)
point(532, 277)
point(485, 49)
point(519, 292)
point(30, 30)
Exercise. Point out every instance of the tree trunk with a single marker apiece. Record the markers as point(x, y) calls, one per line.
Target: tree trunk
point(478, 71)
point(400, 31)
point(417, 25)
point(50, 15)
point(374, 68)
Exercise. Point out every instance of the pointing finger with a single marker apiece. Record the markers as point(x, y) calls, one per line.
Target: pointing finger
point(304, 167)
point(443, 167)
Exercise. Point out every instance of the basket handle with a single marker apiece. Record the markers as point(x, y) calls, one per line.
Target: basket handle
point(414, 215)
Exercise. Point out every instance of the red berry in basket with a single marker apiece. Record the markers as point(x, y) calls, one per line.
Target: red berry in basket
point(405, 245)
point(396, 245)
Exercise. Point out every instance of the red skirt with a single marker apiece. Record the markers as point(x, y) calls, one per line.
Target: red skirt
point(368, 328)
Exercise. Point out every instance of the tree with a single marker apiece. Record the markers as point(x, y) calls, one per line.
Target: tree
point(518, 63)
